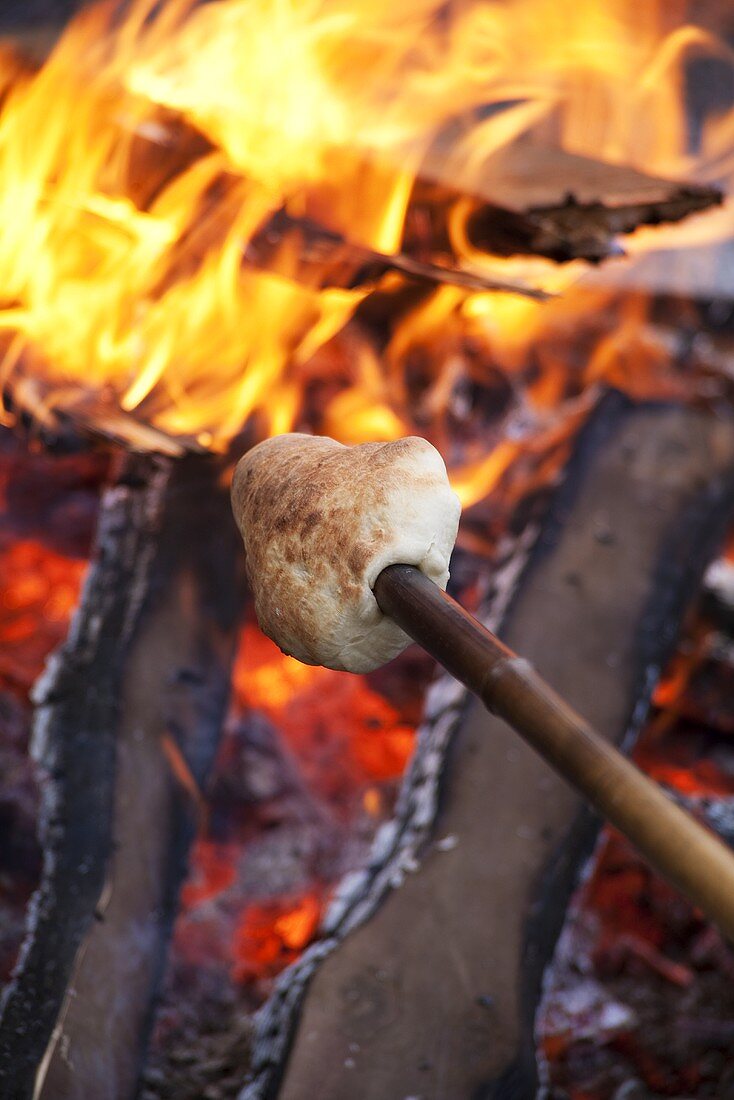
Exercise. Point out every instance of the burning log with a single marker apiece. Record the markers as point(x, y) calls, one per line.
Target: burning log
point(314, 255)
point(326, 259)
point(539, 200)
point(533, 200)
point(74, 419)
point(128, 719)
point(487, 904)
point(582, 205)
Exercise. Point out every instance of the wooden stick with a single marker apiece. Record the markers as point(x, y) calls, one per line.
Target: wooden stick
point(676, 845)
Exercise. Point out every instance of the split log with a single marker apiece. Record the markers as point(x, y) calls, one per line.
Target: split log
point(435, 995)
point(583, 201)
point(532, 199)
point(128, 718)
point(576, 212)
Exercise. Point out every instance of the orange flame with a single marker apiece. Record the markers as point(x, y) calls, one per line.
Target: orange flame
point(166, 138)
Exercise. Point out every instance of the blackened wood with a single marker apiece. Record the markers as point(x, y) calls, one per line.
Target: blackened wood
point(173, 695)
point(585, 202)
point(75, 735)
point(82, 416)
point(129, 714)
point(435, 995)
point(325, 259)
point(539, 200)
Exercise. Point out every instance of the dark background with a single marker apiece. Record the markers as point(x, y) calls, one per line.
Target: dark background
point(24, 13)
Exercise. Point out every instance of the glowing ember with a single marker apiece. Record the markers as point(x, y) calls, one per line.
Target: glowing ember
point(47, 511)
point(307, 770)
point(270, 936)
point(213, 872)
point(40, 594)
point(335, 724)
point(637, 971)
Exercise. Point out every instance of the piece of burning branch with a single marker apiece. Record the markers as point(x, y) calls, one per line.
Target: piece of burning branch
point(324, 259)
point(347, 553)
point(64, 417)
point(313, 255)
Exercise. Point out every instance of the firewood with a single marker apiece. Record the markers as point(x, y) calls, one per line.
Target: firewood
point(140, 684)
point(73, 417)
point(544, 201)
point(327, 259)
point(312, 254)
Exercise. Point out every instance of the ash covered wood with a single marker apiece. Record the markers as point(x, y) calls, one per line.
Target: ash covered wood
point(435, 995)
point(718, 596)
point(128, 719)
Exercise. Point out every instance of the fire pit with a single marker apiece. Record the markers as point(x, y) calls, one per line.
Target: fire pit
point(503, 228)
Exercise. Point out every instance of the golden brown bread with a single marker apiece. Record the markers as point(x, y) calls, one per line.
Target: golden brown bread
point(320, 521)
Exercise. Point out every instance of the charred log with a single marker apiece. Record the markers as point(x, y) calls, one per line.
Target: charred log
point(328, 259)
point(544, 201)
point(313, 255)
point(436, 995)
point(80, 417)
point(128, 718)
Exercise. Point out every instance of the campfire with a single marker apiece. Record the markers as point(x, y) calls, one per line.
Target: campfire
point(503, 228)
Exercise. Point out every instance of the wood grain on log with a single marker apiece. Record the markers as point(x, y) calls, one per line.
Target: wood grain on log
point(135, 696)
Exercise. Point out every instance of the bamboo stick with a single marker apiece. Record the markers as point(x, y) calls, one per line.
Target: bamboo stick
point(676, 845)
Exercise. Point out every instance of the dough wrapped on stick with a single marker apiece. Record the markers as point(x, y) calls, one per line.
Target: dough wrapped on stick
point(344, 543)
point(320, 521)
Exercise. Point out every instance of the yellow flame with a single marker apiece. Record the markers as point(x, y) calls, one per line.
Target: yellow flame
point(153, 146)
